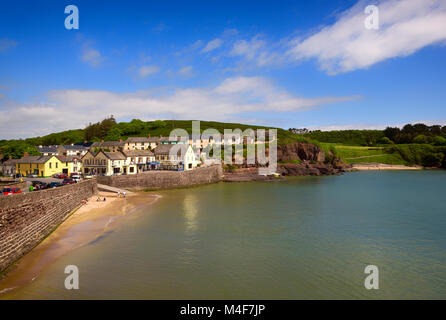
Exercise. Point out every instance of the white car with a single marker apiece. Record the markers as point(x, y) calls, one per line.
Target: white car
point(76, 177)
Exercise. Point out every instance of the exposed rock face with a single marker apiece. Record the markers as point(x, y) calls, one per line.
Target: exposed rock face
point(312, 163)
point(306, 169)
point(300, 151)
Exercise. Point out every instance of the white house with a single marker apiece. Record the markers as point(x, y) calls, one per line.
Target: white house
point(183, 158)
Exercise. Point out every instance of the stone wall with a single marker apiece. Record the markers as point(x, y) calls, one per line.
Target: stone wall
point(22, 185)
point(27, 218)
point(155, 180)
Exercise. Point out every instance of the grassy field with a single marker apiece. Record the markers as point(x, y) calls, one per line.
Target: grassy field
point(355, 154)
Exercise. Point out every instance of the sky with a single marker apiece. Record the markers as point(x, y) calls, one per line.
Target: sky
point(320, 64)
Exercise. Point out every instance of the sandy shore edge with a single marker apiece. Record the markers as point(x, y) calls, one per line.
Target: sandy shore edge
point(84, 225)
point(383, 166)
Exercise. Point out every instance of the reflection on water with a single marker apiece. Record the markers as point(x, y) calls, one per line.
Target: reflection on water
point(190, 209)
point(300, 238)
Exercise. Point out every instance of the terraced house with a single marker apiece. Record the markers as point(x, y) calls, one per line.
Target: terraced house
point(183, 159)
point(107, 164)
point(42, 166)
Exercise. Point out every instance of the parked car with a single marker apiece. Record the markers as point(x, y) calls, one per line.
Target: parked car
point(9, 191)
point(18, 175)
point(68, 181)
point(60, 176)
point(38, 185)
point(55, 184)
point(31, 175)
point(76, 177)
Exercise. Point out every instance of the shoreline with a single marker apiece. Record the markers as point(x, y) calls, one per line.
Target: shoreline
point(383, 166)
point(85, 224)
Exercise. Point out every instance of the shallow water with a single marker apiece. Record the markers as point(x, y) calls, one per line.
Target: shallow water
point(299, 238)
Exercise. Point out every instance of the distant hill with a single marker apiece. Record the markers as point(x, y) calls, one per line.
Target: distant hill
point(110, 130)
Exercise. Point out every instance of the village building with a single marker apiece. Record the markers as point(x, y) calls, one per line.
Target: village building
point(48, 150)
point(183, 159)
point(8, 167)
point(72, 150)
point(108, 146)
point(42, 166)
point(72, 164)
point(107, 164)
point(143, 159)
point(141, 143)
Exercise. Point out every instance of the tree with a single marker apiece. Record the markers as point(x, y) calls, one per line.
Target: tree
point(439, 141)
point(114, 134)
point(392, 133)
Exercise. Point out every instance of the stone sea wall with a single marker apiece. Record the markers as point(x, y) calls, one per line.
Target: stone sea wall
point(27, 218)
point(156, 180)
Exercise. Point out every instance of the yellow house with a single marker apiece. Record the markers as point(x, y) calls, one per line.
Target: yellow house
point(43, 166)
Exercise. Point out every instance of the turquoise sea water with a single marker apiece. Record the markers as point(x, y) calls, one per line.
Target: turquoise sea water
point(298, 238)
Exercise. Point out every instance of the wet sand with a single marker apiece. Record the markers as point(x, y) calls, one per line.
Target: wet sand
point(382, 166)
point(86, 224)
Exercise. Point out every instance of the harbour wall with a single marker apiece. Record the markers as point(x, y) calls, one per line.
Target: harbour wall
point(27, 218)
point(156, 180)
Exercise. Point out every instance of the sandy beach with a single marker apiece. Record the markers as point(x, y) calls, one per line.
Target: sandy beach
point(382, 166)
point(85, 224)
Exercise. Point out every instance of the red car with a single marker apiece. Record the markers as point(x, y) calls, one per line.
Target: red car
point(60, 176)
point(8, 191)
point(68, 181)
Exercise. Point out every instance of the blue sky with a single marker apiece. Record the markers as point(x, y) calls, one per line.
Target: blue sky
point(280, 63)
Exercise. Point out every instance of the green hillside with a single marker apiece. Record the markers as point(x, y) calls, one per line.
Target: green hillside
point(110, 130)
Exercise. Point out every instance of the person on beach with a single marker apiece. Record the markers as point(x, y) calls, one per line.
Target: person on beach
point(119, 194)
point(124, 193)
point(105, 199)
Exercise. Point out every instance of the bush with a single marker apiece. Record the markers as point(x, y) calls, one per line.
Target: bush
point(385, 140)
point(439, 141)
point(433, 160)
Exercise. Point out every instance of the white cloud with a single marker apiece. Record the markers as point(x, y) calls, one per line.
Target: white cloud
point(212, 45)
point(91, 56)
point(6, 44)
point(69, 109)
point(405, 27)
point(248, 49)
point(145, 71)
point(186, 71)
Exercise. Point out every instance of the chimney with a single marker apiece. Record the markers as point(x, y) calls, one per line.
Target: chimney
point(102, 140)
point(85, 141)
point(149, 134)
point(26, 154)
point(120, 140)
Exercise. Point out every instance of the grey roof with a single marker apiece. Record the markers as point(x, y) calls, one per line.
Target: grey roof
point(74, 147)
point(10, 162)
point(164, 149)
point(138, 139)
point(46, 149)
point(115, 155)
point(67, 159)
point(106, 144)
point(138, 153)
point(34, 159)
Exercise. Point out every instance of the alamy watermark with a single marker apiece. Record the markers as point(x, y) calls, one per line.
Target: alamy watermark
point(252, 147)
point(72, 20)
point(371, 22)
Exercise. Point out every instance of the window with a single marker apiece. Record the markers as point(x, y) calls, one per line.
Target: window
point(50, 165)
point(131, 169)
point(57, 165)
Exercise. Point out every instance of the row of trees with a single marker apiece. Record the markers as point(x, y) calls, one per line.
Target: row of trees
point(418, 133)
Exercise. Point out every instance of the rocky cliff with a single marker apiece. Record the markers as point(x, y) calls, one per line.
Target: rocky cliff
point(295, 159)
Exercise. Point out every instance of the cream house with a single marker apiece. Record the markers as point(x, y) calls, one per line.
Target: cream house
point(184, 157)
point(73, 164)
point(143, 159)
point(107, 163)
